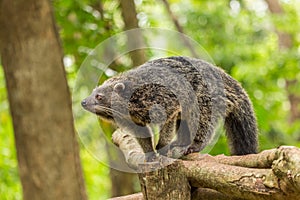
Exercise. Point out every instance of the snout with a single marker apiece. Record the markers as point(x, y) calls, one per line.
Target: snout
point(84, 103)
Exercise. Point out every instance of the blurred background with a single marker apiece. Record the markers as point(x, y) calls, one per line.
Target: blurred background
point(256, 41)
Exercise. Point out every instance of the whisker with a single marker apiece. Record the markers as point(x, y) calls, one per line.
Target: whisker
point(109, 110)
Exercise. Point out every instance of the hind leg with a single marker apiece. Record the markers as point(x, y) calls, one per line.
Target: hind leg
point(201, 139)
point(166, 135)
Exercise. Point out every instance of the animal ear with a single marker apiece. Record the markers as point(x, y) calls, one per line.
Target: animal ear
point(119, 87)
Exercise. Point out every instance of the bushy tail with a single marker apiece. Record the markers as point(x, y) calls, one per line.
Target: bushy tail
point(241, 129)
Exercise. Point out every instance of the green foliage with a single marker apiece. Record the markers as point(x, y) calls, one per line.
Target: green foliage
point(96, 176)
point(10, 187)
point(82, 25)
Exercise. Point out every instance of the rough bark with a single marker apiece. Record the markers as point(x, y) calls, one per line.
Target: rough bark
point(206, 194)
point(164, 183)
point(167, 183)
point(134, 39)
point(40, 102)
point(130, 147)
point(285, 42)
point(272, 174)
point(137, 196)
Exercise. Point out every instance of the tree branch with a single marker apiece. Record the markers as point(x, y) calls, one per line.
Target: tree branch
point(271, 174)
point(180, 29)
point(137, 196)
point(130, 147)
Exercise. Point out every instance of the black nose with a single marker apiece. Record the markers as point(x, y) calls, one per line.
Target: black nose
point(84, 103)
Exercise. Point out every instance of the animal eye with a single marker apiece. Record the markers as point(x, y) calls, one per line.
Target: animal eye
point(99, 96)
point(119, 87)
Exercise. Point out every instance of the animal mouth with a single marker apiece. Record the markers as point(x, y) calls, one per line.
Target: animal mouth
point(106, 112)
point(105, 115)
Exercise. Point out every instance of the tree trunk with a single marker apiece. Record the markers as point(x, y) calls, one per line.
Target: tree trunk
point(167, 183)
point(40, 102)
point(134, 39)
point(180, 29)
point(122, 182)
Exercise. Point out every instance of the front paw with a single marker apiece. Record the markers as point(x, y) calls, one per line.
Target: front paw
point(172, 152)
point(151, 156)
point(177, 152)
point(191, 149)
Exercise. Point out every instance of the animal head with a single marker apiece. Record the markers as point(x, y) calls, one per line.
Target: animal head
point(110, 99)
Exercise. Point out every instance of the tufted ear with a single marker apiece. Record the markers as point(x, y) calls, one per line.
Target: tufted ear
point(119, 87)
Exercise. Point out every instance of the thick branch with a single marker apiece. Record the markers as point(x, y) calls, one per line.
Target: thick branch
point(137, 196)
point(239, 182)
point(280, 178)
point(271, 174)
point(261, 160)
point(130, 147)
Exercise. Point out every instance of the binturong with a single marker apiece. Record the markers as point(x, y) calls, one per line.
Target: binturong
point(186, 98)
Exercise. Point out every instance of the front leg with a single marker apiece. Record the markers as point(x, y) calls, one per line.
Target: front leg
point(175, 137)
point(166, 135)
point(144, 136)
